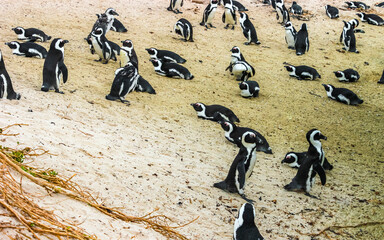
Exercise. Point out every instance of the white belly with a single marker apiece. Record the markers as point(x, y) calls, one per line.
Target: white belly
point(238, 69)
point(97, 47)
point(211, 16)
point(2, 78)
point(290, 39)
point(228, 17)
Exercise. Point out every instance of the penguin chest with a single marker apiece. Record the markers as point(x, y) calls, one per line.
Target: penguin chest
point(211, 15)
point(238, 69)
point(245, 93)
point(290, 38)
point(177, 4)
point(21, 36)
point(97, 46)
point(3, 87)
point(124, 59)
point(228, 17)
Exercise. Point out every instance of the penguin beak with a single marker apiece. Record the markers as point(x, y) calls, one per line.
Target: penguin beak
point(65, 41)
point(6, 43)
point(13, 29)
point(114, 13)
point(323, 137)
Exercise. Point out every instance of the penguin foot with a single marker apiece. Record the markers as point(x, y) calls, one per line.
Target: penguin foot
point(246, 199)
point(58, 91)
point(247, 43)
point(97, 60)
point(226, 26)
point(291, 48)
point(211, 26)
point(125, 102)
point(309, 195)
point(233, 28)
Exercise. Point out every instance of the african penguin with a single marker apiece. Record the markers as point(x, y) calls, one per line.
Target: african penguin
point(117, 26)
point(245, 228)
point(354, 23)
point(170, 69)
point(238, 6)
point(282, 12)
point(128, 54)
point(242, 70)
point(214, 112)
point(184, 28)
point(380, 4)
point(110, 14)
point(105, 49)
point(6, 88)
point(372, 19)
point(229, 15)
point(302, 72)
point(144, 86)
point(349, 39)
point(296, 8)
point(290, 35)
point(342, 95)
point(315, 148)
point(54, 66)
point(355, 4)
point(381, 81)
point(302, 41)
point(27, 49)
point(209, 14)
point(348, 75)
point(235, 56)
point(249, 89)
point(31, 34)
point(165, 55)
point(175, 5)
point(295, 159)
point(249, 30)
point(331, 11)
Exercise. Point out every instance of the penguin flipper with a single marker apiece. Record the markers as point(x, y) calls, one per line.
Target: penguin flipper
point(327, 165)
point(64, 71)
point(223, 18)
point(221, 185)
point(320, 170)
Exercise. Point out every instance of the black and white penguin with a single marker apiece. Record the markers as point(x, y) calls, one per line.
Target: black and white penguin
point(282, 13)
point(6, 88)
point(348, 75)
point(349, 39)
point(295, 159)
point(128, 54)
point(296, 8)
point(331, 11)
point(175, 5)
point(117, 26)
point(372, 19)
point(235, 56)
point(27, 49)
point(54, 67)
point(209, 14)
point(249, 30)
point(144, 86)
point(229, 15)
point(249, 89)
point(302, 72)
point(290, 35)
point(380, 4)
point(245, 227)
point(214, 112)
point(165, 55)
point(315, 148)
point(234, 133)
point(103, 47)
point(354, 23)
point(355, 4)
point(342, 95)
point(184, 28)
point(31, 34)
point(238, 6)
point(170, 69)
point(109, 14)
point(242, 70)
point(381, 81)
point(302, 41)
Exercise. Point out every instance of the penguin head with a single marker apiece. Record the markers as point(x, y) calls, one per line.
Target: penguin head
point(13, 44)
point(198, 106)
point(127, 43)
point(339, 74)
point(111, 12)
point(314, 135)
point(354, 23)
point(246, 215)
point(59, 43)
point(249, 139)
point(18, 30)
point(243, 86)
point(290, 68)
point(235, 49)
point(290, 157)
point(288, 25)
point(226, 125)
point(152, 51)
point(328, 87)
point(97, 32)
point(304, 27)
point(156, 62)
point(294, 3)
point(361, 15)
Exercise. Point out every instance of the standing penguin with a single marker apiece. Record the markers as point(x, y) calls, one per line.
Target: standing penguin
point(349, 38)
point(331, 11)
point(175, 5)
point(128, 54)
point(372, 19)
point(245, 228)
point(282, 12)
point(214, 112)
point(302, 41)
point(110, 14)
point(296, 8)
point(165, 55)
point(249, 89)
point(354, 23)
point(290, 35)
point(27, 49)
point(249, 30)
point(31, 34)
point(209, 14)
point(235, 56)
point(103, 47)
point(184, 28)
point(342, 95)
point(170, 69)
point(348, 75)
point(6, 88)
point(229, 15)
point(54, 66)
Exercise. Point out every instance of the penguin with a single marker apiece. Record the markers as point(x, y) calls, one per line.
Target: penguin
point(117, 26)
point(303, 72)
point(241, 167)
point(355, 4)
point(242, 70)
point(214, 112)
point(349, 38)
point(372, 19)
point(380, 4)
point(245, 228)
point(175, 5)
point(290, 35)
point(296, 8)
point(105, 49)
point(238, 6)
point(27, 49)
point(209, 14)
point(235, 56)
point(229, 15)
point(144, 86)
point(249, 89)
point(170, 69)
point(109, 14)
point(295, 159)
point(249, 30)
point(54, 67)
point(128, 54)
point(348, 75)
point(165, 55)
point(6, 88)
point(184, 28)
point(89, 41)
point(282, 12)
point(302, 41)
point(233, 134)
point(31, 34)
point(331, 12)
point(381, 81)
point(342, 95)
point(354, 23)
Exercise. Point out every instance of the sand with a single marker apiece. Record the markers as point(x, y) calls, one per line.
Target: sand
point(156, 153)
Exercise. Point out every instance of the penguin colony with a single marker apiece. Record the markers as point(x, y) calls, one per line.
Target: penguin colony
point(167, 63)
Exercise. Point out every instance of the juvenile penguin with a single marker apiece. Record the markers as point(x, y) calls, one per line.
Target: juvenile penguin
point(175, 5)
point(302, 72)
point(209, 14)
point(229, 15)
point(109, 14)
point(282, 12)
point(249, 89)
point(238, 6)
point(331, 12)
point(165, 55)
point(6, 88)
point(349, 39)
point(242, 70)
point(355, 4)
point(235, 56)
point(170, 69)
point(245, 227)
point(290, 35)
point(214, 112)
point(372, 19)
point(31, 34)
point(342, 95)
point(302, 41)
point(381, 81)
point(348, 75)
point(295, 159)
point(184, 28)
point(27, 49)
point(103, 47)
point(249, 30)
point(296, 8)
point(54, 67)
point(128, 54)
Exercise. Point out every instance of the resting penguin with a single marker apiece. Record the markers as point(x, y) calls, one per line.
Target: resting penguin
point(245, 228)
point(229, 15)
point(241, 167)
point(165, 55)
point(27, 49)
point(296, 8)
point(249, 30)
point(54, 66)
point(233, 134)
point(175, 5)
point(242, 70)
point(236, 56)
point(170, 69)
point(282, 12)
point(331, 11)
point(105, 49)
point(249, 89)
point(349, 38)
point(342, 95)
point(31, 34)
point(295, 159)
point(302, 41)
point(348, 75)
point(371, 19)
point(209, 14)
point(214, 112)
point(290, 35)
point(128, 54)
point(381, 81)
point(380, 4)
point(355, 4)
point(184, 28)
point(6, 88)
point(302, 72)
